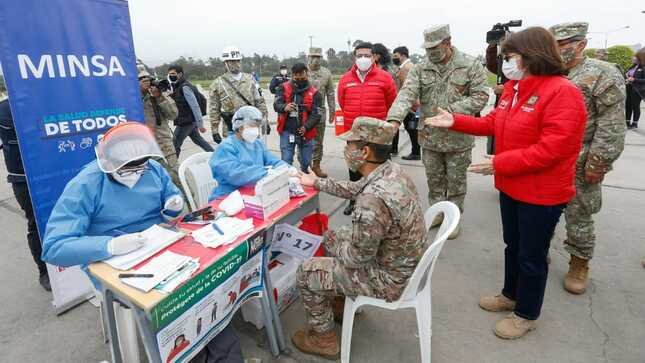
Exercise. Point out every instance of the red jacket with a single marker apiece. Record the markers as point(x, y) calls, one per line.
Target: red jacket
point(537, 141)
point(308, 99)
point(371, 98)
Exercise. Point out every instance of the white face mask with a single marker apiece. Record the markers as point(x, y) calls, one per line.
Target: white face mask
point(128, 180)
point(250, 134)
point(363, 63)
point(283, 72)
point(511, 70)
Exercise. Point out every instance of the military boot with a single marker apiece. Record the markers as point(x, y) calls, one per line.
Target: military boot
point(323, 344)
point(318, 171)
point(575, 281)
point(496, 303)
point(436, 222)
point(513, 327)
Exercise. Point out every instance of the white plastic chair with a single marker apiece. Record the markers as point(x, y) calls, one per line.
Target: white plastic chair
point(197, 179)
point(417, 294)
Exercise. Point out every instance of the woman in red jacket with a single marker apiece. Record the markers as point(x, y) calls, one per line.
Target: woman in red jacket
point(364, 90)
point(538, 126)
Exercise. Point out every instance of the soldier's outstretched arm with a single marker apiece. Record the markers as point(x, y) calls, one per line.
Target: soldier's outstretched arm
point(357, 246)
point(214, 106)
point(477, 92)
point(260, 103)
point(407, 96)
point(168, 108)
point(609, 139)
point(340, 188)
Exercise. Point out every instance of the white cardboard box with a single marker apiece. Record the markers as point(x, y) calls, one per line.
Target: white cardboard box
point(271, 194)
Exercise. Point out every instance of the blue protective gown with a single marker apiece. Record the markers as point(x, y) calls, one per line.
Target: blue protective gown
point(237, 163)
point(94, 208)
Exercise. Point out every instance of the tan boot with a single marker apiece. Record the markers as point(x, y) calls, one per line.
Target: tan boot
point(513, 327)
point(496, 303)
point(316, 169)
point(436, 222)
point(323, 344)
point(575, 281)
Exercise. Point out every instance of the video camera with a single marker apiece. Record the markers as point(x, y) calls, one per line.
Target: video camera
point(162, 84)
point(499, 30)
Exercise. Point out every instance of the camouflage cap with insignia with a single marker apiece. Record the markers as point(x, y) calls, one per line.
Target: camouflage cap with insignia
point(435, 35)
point(371, 130)
point(316, 52)
point(564, 31)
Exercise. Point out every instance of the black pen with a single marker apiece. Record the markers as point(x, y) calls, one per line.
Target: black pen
point(124, 276)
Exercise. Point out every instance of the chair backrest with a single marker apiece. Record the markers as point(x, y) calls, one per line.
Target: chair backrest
point(197, 179)
point(423, 272)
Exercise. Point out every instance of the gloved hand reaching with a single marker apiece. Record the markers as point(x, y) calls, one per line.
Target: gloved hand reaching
point(126, 243)
point(173, 206)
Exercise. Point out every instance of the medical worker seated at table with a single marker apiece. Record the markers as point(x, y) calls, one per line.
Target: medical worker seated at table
point(121, 193)
point(242, 158)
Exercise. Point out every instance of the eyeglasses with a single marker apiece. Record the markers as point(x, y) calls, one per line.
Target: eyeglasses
point(123, 172)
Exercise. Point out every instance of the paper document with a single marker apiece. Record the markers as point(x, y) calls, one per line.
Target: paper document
point(170, 283)
point(157, 238)
point(161, 267)
point(222, 231)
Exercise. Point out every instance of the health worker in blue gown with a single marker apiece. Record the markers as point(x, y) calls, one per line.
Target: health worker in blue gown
point(242, 158)
point(121, 193)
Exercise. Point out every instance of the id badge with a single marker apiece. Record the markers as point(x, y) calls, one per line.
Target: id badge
point(292, 139)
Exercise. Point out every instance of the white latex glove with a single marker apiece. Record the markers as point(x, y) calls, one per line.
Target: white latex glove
point(174, 204)
point(126, 243)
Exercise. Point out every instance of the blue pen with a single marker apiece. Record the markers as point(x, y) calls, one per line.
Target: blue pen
point(217, 228)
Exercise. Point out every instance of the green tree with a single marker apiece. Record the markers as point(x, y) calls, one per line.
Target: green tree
point(620, 55)
point(591, 53)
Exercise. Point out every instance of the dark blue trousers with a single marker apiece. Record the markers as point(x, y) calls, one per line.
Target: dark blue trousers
point(528, 229)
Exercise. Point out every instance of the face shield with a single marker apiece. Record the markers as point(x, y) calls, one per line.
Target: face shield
point(126, 143)
point(247, 116)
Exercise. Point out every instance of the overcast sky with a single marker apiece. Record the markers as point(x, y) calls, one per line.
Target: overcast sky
point(166, 29)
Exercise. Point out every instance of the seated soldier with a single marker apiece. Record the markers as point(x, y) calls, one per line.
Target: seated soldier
point(377, 254)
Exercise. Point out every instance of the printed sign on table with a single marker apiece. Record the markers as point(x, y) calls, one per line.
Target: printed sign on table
point(294, 241)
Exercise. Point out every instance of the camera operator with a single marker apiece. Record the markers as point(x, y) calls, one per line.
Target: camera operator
point(298, 106)
point(158, 111)
point(189, 122)
point(495, 37)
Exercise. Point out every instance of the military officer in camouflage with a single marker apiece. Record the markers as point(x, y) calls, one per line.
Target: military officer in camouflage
point(320, 78)
point(603, 89)
point(231, 91)
point(375, 255)
point(455, 81)
point(158, 121)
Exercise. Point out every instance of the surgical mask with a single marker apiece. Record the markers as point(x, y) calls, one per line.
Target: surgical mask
point(511, 70)
point(314, 63)
point(436, 55)
point(129, 180)
point(353, 159)
point(283, 72)
point(396, 61)
point(250, 134)
point(234, 68)
point(363, 63)
point(173, 79)
point(568, 54)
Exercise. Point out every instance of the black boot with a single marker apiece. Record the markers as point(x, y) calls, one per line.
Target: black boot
point(634, 125)
point(412, 157)
point(350, 208)
point(43, 279)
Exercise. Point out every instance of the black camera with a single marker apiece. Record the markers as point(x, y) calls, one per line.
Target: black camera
point(499, 30)
point(162, 85)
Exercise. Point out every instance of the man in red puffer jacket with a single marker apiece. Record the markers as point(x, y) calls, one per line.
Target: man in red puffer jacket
point(365, 90)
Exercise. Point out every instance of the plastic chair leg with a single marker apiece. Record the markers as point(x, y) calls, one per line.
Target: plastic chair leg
point(424, 324)
point(127, 331)
point(348, 325)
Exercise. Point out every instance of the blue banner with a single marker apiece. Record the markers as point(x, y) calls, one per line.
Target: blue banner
point(70, 70)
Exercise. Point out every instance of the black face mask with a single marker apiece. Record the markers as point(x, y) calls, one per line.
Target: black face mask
point(396, 61)
point(173, 78)
point(301, 84)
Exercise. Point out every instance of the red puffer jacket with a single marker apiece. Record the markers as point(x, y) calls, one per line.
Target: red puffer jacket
point(537, 140)
point(371, 98)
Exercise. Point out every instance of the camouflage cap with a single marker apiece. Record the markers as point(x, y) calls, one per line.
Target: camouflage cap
point(316, 52)
point(370, 130)
point(566, 31)
point(435, 35)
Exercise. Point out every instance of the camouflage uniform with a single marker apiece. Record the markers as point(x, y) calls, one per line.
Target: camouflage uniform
point(458, 86)
point(603, 89)
point(321, 79)
point(375, 255)
point(223, 98)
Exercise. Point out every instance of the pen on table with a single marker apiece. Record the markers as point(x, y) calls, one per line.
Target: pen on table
point(125, 276)
point(217, 228)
